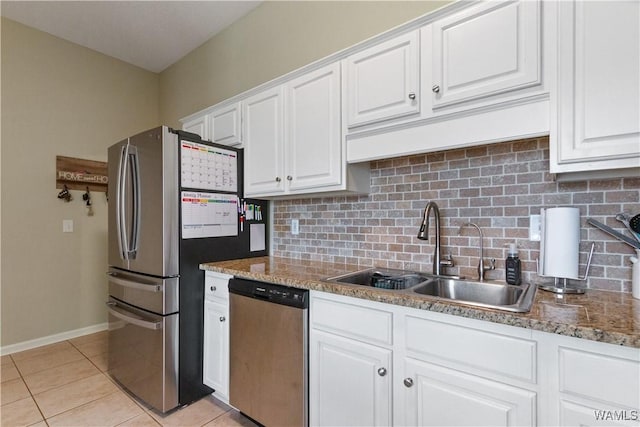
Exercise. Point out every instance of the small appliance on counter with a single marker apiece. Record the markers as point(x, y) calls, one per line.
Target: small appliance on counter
point(174, 203)
point(559, 249)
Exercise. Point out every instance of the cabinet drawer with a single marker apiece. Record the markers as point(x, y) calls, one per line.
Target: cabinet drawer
point(599, 376)
point(353, 321)
point(471, 349)
point(216, 286)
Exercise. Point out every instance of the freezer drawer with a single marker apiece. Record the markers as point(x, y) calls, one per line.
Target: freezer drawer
point(153, 294)
point(143, 353)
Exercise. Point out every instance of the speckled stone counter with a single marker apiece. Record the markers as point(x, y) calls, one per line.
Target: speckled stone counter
point(609, 317)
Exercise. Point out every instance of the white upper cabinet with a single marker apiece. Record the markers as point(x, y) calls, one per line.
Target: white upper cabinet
point(382, 81)
point(484, 50)
point(313, 148)
point(293, 139)
point(264, 143)
point(226, 125)
point(198, 125)
point(596, 101)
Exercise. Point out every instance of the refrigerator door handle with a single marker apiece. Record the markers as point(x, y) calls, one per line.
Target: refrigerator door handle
point(120, 201)
point(129, 168)
point(128, 317)
point(135, 181)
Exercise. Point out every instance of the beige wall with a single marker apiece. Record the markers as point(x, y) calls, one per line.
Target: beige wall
point(62, 99)
point(58, 99)
point(273, 39)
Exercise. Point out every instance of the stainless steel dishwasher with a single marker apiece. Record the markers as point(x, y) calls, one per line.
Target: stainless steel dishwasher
point(268, 352)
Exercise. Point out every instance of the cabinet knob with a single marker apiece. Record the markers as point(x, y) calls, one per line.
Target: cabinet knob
point(382, 372)
point(289, 178)
point(412, 96)
point(213, 289)
point(408, 382)
point(435, 89)
point(222, 318)
point(278, 179)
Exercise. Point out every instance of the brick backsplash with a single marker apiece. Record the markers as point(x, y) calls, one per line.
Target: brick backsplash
point(496, 186)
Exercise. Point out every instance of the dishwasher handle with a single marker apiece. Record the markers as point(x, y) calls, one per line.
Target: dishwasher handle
point(270, 292)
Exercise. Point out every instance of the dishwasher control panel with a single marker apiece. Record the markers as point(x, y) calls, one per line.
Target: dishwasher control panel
point(276, 294)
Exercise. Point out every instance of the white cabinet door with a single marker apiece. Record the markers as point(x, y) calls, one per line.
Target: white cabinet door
point(313, 149)
point(199, 126)
point(216, 349)
point(382, 81)
point(226, 125)
point(264, 142)
point(596, 414)
point(484, 50)
point(598, 88)
point(437, 396)
point(350, 382)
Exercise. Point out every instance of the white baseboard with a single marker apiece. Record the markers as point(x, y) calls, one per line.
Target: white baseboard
point(51, 339)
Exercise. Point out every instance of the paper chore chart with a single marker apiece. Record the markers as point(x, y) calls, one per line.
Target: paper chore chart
point(208, 214)
point(209, 168)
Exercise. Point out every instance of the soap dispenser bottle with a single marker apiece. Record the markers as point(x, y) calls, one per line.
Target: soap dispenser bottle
point(512, 269)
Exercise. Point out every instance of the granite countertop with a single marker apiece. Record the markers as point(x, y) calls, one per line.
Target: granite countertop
point(610, 317)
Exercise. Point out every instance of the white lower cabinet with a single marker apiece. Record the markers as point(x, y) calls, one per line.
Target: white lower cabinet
point(590, 383)
point(215, 369)
point(380, 364)
point(351, 384)
point(216, 348)
point(437, 396)
point(350, 362)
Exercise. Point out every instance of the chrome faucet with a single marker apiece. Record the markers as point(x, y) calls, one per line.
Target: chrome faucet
point(423, 234)
point(481, 268)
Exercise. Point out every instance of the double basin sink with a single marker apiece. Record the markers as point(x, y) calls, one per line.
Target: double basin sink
point(475, 293)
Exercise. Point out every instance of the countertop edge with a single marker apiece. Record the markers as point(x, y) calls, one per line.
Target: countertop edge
point(444, 307)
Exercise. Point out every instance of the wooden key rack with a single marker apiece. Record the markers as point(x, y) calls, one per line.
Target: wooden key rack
point(80, 174)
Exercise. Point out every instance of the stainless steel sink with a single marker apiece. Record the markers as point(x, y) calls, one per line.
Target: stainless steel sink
point(480, 294)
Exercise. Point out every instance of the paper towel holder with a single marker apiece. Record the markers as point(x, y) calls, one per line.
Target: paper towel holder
point(559, 285)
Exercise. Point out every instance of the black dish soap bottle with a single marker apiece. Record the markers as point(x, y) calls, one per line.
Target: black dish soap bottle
point(512, 266)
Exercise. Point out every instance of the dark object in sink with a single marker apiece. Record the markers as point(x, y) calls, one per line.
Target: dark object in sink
point(386, 281)
point(634, 223)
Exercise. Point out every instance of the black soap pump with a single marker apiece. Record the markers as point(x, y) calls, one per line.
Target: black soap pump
point(512, 268)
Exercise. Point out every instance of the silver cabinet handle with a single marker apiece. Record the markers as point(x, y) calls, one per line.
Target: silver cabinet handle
point(278, 179)
point(412, 95)
point(435, 89)
point(382, 372)
point(408, 382)
point(289, 178)
point(222, 318)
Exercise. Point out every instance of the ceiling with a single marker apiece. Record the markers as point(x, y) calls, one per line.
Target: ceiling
point(150, 34)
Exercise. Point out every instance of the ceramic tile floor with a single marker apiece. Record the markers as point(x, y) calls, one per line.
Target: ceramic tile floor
point(65, 384)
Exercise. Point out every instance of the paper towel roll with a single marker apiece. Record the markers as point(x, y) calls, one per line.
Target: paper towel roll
point(561, 240)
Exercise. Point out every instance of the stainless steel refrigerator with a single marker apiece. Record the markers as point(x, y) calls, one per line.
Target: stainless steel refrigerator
point(175, 202)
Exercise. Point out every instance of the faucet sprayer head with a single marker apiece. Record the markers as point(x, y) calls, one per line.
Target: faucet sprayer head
point(423, 234)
